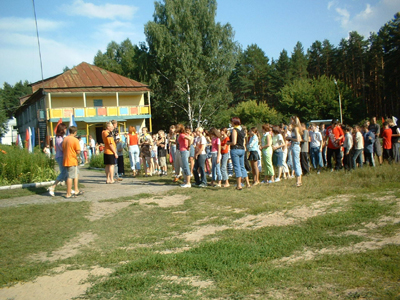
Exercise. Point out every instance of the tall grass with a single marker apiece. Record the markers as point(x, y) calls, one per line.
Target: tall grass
point(19, 166)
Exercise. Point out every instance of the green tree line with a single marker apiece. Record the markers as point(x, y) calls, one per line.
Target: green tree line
point(190, 60)
point(200, 75)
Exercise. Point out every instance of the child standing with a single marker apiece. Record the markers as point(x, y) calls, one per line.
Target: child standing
point(215, 157)
point(252, 147)
point(348, 144)
point(369, 140)
point(387, 142)
point(154, 155)
point(162, 152)
point(224, 156)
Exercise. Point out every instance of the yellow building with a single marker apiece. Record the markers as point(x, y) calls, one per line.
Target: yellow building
point(93, 95)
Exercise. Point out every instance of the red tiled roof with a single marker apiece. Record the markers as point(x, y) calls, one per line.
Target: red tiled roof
point(89, 78)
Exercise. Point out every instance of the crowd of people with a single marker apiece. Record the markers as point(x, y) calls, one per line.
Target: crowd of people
point(278, 152)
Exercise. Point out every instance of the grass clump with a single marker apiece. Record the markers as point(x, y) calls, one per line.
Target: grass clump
point(30, 229)
point(18, 166)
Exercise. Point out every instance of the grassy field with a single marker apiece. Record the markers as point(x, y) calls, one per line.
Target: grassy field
point(336, 237)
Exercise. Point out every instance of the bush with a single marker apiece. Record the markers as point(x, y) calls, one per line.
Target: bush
point(18, 166)
point(97, 161)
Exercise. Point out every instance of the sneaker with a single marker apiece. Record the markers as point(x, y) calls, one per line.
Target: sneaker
point(277, 180)
point(264, 181)
point(217, 185)
point(202, 185)
point(51, 191)
point(186, 185)
point(318, 172)
point(270, 181)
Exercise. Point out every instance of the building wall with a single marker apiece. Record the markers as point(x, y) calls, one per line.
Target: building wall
point(132, 100)
point(10, 136)
point(58, 101)
point(27, 116)
point(61, 102)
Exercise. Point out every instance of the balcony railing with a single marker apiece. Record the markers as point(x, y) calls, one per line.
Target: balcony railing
point(110, 111)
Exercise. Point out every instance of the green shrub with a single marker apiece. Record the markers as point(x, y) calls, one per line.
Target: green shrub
point(97, 161)
point(18, 166)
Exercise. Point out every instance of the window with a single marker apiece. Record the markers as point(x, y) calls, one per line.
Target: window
point(98, 102)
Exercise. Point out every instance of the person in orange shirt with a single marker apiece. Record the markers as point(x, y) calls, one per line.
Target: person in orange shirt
point(110, 152)
point(71, 150)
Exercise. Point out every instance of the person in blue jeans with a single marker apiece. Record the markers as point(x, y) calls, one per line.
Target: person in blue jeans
point(224, 156)
point(295, 139)
point(200, 157)
point(237, 145)
point(369, 141)
point(316, 148)
point(358, 142)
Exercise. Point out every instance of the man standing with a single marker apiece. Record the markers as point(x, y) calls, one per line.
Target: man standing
point(92, 144)
point(335, 137)
point(82, 147)
point(376, 130)
point(110, 152)
point(369, 140)
point(316, 148)
point(71, 150)
point(304, 148)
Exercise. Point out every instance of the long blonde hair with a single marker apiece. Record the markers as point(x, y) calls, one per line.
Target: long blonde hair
point(296, 123)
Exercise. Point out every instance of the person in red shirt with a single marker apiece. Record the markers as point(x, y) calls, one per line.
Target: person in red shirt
point(387, 142)
point(335, 138)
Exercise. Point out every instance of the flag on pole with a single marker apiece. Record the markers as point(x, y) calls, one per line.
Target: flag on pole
point(58, 123)
point(33, 136)
point(28, 140)
point(394, 120)
point(383, 120)
point(19, 141)
point(71, 123)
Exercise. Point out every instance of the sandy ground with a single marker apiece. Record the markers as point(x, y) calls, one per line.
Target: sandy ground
point(95, 189)
point(66, 282)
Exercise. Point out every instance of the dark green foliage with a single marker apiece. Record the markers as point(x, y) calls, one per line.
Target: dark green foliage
point(9, 100)
point(189, 58)
point(193, 57)
point(250, 79)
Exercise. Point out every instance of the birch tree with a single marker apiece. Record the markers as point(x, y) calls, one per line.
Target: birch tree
point(192, 57)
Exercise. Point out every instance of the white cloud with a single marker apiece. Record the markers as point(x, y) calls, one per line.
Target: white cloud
point(330, 4)
point(105, 11)
point(13, 24)
point(369, 19)
point(20, 56)
point(344, 16)
point(118, 31)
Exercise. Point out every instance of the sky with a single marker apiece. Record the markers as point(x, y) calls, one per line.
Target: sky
point(73, 31)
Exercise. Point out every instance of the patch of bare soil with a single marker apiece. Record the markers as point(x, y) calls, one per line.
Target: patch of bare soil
point(63, 286)
point(375, 242)
point(166, 201)
point(193, 281)
point(70, 249)
point(103, 209)
point(99, 210)
point(200, 233)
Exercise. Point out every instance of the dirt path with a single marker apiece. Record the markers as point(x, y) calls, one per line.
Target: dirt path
point(95, 189)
